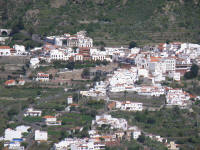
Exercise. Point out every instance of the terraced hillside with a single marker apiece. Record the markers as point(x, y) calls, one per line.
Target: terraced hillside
point(111, 21)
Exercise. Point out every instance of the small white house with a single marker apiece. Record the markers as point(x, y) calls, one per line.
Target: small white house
point(32, 112)
point(51, 121)
point(5, 51)
point(41, 135)
point(69, 100)
point(129, 106)
point(43, 77)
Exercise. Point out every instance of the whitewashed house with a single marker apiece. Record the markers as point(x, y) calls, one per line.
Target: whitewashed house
point(41, 135)
point(115, 123)
point(14, 146)
point(42, 77)
point(69, 100)
point(129, 106)
point(34, 62)
point(5, 51)
point(57, 54)
point(51, 121)
point(11, 134)
point(32, 112)
point(20, 49)
point(177, 97)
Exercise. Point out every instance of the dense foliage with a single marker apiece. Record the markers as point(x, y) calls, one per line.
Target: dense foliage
point(114, 21)
point(192, 73)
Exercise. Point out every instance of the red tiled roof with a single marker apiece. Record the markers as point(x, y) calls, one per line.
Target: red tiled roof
point(5, 47)
point(155, 59)
point(49, 117)
point(9, 82)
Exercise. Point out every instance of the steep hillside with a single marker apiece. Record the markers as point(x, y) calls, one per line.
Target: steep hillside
point(111, 21)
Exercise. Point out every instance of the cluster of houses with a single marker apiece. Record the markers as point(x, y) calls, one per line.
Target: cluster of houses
point(178, 97)
point(14, 82)
point(48, 120)
point(155, 66)
point(68, 47)
point(14, 137)
point(79, 144)
point(98, 140)
point(125, 106)
point(16, 50)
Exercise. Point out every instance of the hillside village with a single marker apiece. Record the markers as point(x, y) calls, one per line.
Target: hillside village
point(67, 61)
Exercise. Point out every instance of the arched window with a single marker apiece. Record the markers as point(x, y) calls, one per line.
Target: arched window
point(4, 33)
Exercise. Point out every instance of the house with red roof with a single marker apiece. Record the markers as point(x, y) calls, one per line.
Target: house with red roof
point(42, 77)
point(51, 121)
point(5, 51)
point(10, 83)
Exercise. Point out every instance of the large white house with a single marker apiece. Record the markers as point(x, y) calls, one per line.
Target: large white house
point(11, 134)
point(115, 123)
point(20, 49)
point(41, 135)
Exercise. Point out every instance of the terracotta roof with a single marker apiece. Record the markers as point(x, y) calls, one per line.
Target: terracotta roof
point(5, 47)
point(74, 105)
point(111, 105)
point(48, 117)
point(9, 82)
point(155, 59)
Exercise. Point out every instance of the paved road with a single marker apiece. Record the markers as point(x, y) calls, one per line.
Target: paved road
point(35, 126)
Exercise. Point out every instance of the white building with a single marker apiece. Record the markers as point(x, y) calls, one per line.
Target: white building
point(20, 49)
point(23, 128)
point(69, 100)
point(51, 121)
point(41, 135)
point(151, 90)
point(12, 134)
point(98, 90)
point(115, 123)
point(33, 113)
point(43, 77)
point(34, 62)
point(123, 79)
point(175, 75)
point(170, 64)
point(135, 132)
point(79, 40)
point(14, 146)
point(78, 57)
point(5, 51)
point(129, 106)
point(177, 97)
point(58, 55)
point(78, 144)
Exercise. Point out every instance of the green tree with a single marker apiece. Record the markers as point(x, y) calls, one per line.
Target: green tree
point(193, 73)
point(141, 138)
point(132, 44)
point(86, 73)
